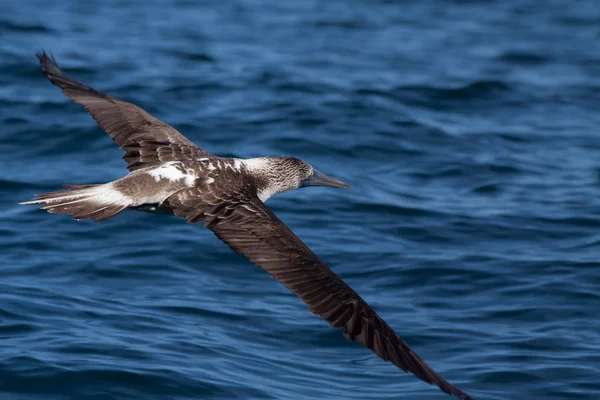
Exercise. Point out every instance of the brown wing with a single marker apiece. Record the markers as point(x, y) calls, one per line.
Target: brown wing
point(248, 227)
point(145, 139)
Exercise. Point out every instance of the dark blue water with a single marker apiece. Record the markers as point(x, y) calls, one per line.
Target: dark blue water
point(469, 131)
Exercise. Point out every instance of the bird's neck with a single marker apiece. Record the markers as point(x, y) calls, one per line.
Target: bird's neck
point(263, 171)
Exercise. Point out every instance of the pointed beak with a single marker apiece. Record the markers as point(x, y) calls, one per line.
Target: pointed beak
point(319, 179)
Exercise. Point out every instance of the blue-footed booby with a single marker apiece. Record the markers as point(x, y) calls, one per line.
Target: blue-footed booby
point(168, 173)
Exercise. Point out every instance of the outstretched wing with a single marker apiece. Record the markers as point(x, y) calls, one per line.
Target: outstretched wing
point(145, 139)
point(248, 227)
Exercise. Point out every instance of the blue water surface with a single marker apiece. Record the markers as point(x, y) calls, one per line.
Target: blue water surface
point(469, 131)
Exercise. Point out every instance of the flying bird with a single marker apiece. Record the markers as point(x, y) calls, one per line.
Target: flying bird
point(170, 174)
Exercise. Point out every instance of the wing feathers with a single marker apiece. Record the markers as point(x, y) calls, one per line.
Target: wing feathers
point(248, 227)
point(145, 139)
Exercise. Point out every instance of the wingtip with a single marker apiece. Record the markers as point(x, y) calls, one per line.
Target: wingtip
point(42, 55)
point(453, 391)
point(47, 60)
point(458, 393)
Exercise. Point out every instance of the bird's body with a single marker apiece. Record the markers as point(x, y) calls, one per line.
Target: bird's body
point(170, 174)
point(149, 188)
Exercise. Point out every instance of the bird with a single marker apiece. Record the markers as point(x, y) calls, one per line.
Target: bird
point(169, 174)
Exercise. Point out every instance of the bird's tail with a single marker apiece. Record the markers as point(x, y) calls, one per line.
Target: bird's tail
point(99, 202)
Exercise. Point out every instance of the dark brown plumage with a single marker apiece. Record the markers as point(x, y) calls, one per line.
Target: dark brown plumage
point(249, 228)
point(146, 140)
point(227, 196)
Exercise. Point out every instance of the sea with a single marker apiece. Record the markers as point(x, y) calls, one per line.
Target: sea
point(469, 132)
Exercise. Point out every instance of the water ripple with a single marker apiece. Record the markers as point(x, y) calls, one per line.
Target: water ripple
point(468, 135)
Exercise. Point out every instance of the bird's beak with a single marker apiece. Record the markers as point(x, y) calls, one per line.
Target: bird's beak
point(319, 179)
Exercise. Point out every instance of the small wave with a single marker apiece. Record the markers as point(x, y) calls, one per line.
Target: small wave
point(196, 57)
point(10, 185)
point(475, 90)
point(347, 24)
point(12, 330)
point(422, 94)
point(524, 58)
point(488, 188)
point(391, 209)
point(37, 376)
point(198, 87)
point(201, 313)
point(19, 27)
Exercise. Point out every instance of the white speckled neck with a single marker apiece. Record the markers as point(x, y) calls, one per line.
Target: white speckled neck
point(256, 164)
point(261, 166)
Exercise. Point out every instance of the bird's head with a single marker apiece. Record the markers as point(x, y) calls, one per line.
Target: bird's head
point(281, 174)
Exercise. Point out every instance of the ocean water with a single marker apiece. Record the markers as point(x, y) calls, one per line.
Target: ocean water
point(468, 130)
